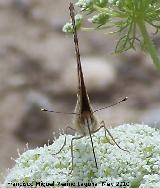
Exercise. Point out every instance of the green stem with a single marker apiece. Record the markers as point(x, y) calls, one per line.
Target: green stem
point(149, 44)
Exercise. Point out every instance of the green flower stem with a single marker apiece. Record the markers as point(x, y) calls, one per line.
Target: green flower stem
point(149, 44)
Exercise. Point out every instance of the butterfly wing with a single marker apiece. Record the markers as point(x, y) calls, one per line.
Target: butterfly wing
point(85, 120)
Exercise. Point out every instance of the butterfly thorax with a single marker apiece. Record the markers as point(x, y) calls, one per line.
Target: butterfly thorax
point(84, 118)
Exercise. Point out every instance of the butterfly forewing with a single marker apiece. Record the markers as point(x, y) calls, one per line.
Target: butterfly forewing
point(86, 120)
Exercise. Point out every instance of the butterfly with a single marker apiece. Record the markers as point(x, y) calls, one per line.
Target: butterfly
point(84, 120)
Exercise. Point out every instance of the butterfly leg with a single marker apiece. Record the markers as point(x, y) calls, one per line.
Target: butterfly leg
point(106, 130)
point(64, 139)
point(105, 133)
point(74, 138)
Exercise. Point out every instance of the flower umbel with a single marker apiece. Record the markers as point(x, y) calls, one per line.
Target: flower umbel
point(140, 166)
point(100, 19)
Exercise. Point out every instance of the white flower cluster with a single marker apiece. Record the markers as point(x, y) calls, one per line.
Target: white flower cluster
point(88, 5)
point(99, 19)
point(140, 167)
point(84, 4)
point(68, 27)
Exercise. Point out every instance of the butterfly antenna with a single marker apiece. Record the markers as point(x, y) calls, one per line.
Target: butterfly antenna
point(69, 113)
point(123, 100)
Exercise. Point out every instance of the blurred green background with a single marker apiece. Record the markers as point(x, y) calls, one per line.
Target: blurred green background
point(38, 70)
